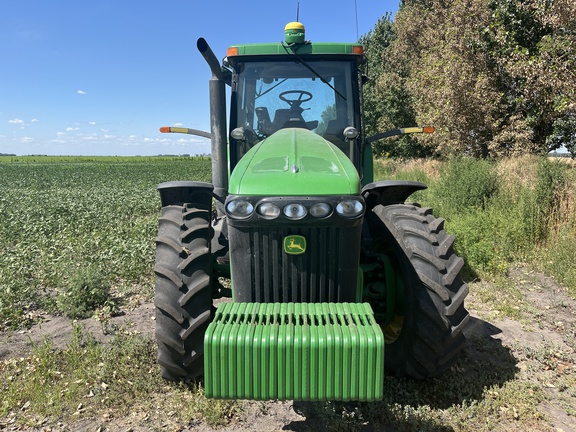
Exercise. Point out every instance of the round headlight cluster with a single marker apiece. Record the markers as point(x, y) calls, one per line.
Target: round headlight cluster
point(243, 209)
point(240, 209)
point(350, 209)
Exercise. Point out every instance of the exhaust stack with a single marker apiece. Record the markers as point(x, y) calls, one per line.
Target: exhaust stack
point(217, 125)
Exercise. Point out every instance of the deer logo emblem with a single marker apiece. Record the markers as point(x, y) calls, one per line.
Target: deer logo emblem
point(294, 244)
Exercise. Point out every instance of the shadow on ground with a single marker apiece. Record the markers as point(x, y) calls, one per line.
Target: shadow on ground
point(484, 363)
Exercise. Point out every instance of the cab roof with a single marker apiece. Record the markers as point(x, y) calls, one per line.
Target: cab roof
point(300, 49)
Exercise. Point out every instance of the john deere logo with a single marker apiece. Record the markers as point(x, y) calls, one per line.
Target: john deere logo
point(294, 244)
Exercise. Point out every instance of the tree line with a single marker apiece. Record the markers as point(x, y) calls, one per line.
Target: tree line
point(494, 77)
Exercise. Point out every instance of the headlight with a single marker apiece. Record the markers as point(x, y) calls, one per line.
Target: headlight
point(350, 209)
point(321, 210)
point(295, 211)
point(268, 210)
point(239, 209)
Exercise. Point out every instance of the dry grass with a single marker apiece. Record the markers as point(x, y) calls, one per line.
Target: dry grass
point(387, 168)
point(518, 172)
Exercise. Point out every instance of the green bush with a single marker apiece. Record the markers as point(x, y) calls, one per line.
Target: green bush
point(503, 212)
point(541, 204)
point(465, 184)
point(557, 258)
point(473, 243)
point(87, 290)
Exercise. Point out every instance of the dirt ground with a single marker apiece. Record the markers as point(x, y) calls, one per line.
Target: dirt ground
point(550, 322)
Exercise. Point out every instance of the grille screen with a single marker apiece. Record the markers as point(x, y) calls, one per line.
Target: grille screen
point(326, 272)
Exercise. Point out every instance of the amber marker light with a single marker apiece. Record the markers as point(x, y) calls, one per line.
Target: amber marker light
point(232, 51)
point(358, 49)
point(428, 129)
point(173, 129)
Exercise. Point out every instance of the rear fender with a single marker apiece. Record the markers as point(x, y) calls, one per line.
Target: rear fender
point(388, 192)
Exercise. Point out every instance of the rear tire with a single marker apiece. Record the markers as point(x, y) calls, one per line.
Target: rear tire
point(430, 316)
point(183, 295)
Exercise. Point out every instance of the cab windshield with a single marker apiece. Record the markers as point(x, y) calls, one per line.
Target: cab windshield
point(318, 95)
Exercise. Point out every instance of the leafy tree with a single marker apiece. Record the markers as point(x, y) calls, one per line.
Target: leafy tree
point(533, 45)
point(450, 74)
point(387, 102)
point(328, 114)
point(564, 134)
point(495, 77)
point(375, 42)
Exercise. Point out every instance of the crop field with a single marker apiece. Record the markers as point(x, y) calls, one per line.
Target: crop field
point(77, 351)
point(65, 219)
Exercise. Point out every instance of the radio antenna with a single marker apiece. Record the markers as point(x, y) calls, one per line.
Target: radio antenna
point(298, 12)
point(356, 12)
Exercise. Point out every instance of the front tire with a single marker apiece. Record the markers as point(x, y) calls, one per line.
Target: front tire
point(425, 334)
point(183, 296)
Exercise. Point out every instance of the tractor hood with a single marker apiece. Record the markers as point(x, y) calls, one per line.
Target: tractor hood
point(294, 161)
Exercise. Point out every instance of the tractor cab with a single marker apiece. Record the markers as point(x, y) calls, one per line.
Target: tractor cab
point(312, 86)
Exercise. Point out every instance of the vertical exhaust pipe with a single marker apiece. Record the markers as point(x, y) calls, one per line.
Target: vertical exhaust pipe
point(217, 125)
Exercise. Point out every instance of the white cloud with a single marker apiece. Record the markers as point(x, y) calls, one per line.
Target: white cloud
point(81, 92)
point(34, 120)
point(60, 133)
point(178, 124)
point(16, 121)
point(26, 140)
point(70, 129)
point(91, 123)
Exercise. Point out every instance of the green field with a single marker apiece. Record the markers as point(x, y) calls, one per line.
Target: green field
point(65, 219)
point(77, 239)
point(70, 221)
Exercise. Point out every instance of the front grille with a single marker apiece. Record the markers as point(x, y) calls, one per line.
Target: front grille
point(263, 272)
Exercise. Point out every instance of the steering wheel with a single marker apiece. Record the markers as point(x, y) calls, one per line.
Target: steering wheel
point(303, 96)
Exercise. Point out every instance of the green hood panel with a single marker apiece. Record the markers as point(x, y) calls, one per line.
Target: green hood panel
point(294, 161)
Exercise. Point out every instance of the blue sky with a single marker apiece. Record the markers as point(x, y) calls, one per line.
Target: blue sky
point(100, 77)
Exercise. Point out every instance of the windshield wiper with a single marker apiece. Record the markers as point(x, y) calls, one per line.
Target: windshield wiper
point(270, 89)
point(311, 69)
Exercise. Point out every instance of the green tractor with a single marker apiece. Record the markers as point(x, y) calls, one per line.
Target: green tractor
point(334, 278)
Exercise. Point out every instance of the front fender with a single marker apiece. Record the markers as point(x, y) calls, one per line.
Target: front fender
point(388, 192)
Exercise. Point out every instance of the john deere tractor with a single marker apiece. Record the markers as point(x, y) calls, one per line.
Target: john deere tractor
point(333, 278)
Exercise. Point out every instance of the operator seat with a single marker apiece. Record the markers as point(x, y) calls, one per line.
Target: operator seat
point(284, 118)
point(281, 117)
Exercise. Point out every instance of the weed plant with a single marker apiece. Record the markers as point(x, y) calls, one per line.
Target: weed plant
point(465, 185)
point(543, 202)
point(86, 291)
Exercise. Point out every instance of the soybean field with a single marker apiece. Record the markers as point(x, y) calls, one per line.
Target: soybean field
point(64, 219)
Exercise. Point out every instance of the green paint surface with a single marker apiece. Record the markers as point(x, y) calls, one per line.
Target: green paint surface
point(294, 161)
